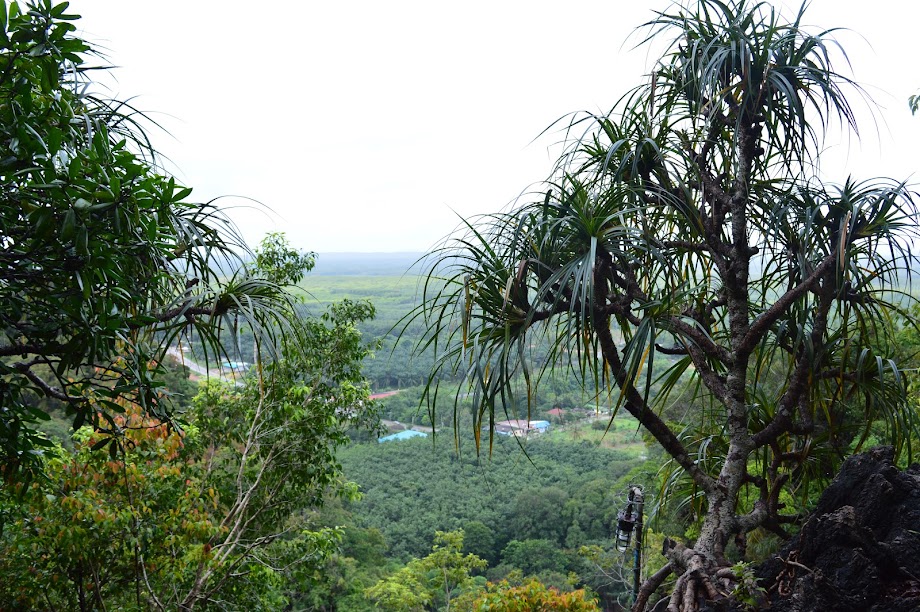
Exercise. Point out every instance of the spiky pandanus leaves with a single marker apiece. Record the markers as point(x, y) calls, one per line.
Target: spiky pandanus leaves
point(684, 239)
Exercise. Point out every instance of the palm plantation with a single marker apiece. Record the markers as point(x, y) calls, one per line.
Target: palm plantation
point(686, 236)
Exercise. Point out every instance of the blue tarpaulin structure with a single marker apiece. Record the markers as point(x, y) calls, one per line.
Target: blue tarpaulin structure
point(403, 435)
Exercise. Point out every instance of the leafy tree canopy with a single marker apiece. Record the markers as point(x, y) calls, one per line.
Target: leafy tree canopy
point(532, 596)
point(435, 578)
point(277, 261)
point(686, 235)
point(104, 261)
point(216, 516)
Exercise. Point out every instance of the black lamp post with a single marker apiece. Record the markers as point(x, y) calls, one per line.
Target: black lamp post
point(629, 520)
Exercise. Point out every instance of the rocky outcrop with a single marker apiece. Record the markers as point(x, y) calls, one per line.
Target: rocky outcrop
point(860, 549)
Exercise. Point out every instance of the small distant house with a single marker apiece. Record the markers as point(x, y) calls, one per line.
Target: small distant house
point(402, 435)
point(520, 427)
point(514, 427)
point(596, 409)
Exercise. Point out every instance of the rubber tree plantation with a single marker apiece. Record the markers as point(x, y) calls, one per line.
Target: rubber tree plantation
point(685, 242)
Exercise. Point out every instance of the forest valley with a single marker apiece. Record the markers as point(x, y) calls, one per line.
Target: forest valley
point(682, 305)
point(533, 520)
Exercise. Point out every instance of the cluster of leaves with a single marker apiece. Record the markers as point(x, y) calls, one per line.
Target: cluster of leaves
point(79, 539)
point(430, 581)
point(532, 596)
point(277, 262)
point(357, 564)
point(444, 579)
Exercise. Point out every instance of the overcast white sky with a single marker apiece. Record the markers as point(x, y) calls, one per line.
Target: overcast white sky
point(368, 125)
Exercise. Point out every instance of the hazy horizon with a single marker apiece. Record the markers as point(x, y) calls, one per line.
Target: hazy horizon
point(374, 127)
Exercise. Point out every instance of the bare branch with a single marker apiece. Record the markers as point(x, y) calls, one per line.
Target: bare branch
point(47, 389)
point(21, 349)
point(650, 585)
point(798, 383)
point(762, 323)
point(700, 339)
point(637, 407)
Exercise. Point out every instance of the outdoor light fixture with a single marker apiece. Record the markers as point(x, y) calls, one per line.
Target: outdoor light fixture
point(627, 519)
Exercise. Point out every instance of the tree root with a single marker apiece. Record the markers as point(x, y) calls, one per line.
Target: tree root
point(691, 587)
point(697, 583)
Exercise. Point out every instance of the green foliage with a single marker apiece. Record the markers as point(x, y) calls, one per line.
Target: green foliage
point(356, 565)
point(74, 541)
point(279, 263)
point(532, 596)
point(539, 514)
point(217, 515)
point(534, 556)
point(434, 579)
point(609, 573)
point(133, 532)
point(479, 539)
point(105, 260)
point(404, 591)
point(747, 591)
point(395, 366)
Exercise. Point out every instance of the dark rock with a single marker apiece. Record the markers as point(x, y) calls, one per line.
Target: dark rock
point(860, 549)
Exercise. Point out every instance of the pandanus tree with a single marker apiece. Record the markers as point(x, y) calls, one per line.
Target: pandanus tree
point(685, 236)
